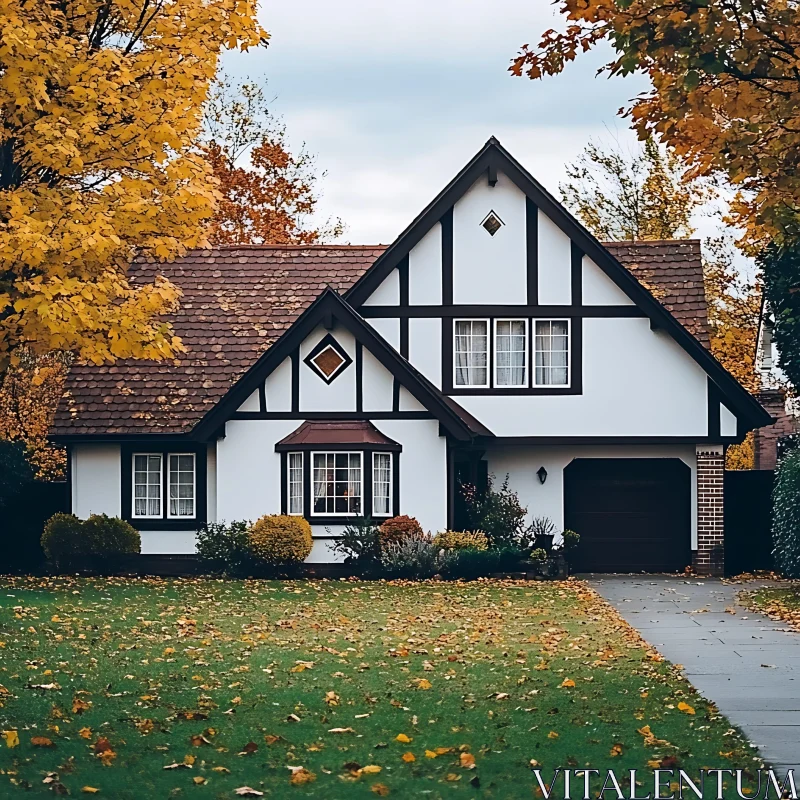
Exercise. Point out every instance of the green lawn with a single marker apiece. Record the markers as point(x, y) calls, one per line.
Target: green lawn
point(244, 680)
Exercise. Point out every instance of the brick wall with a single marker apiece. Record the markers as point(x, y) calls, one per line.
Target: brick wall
point(765, 443)
point(709, 558)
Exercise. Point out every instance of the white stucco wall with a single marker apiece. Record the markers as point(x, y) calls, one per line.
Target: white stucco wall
point(168, 542)
point(547, 499)
point(279, 387)
point(96, 480)
point(377, 384)
point(489, 269)
point(555, 264)
point(598, 289)
point(388, 293)
point(727, 421)
point(211, 481)
point(251, 404)
point(388, 328)
point(636, 382)
point(425, 348)
point(425, 269)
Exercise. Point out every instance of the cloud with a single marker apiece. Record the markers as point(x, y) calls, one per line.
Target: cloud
point(395, 97)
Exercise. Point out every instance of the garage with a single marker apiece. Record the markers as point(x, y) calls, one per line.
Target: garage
point(633, 514)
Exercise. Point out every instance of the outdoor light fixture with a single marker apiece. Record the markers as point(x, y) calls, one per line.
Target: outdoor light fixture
point(542, 473)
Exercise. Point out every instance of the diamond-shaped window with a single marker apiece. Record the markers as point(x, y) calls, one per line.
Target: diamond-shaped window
point(328, 359)
point(492, 223)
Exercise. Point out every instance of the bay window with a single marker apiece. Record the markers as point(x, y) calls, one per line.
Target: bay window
point(337, 484)
point(382, 484)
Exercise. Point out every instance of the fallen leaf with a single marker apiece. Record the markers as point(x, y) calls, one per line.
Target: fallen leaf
point(11, 738)
point(552, 735)
point(467, 760)
point(616, 750)
point(247, 791)
point(401, 737)
point(686, 708)
point(79, 705)
point(89, 790)
point(41, 741)
point(341, 730)
point(85, 733)
point(380, 789)
point(302, 776)
point(371, 769)
point(424, 683)
point(567, 683)
point(199, 780)
point(408, 757)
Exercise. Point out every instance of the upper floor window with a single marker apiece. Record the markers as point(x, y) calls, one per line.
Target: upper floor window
point(511, 352)
point(551, 352)
point(471, 367)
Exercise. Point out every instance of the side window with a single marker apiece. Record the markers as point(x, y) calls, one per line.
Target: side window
point(551, 352)
point(471, 353)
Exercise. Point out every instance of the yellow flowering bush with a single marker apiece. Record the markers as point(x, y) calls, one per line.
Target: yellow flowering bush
point(461, 540)
point(280, 539)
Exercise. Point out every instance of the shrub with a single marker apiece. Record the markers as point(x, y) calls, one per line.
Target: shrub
point(499, 514)
point(539, 554)
point(570, 540)
point(65, 537)
point(414, 556)
point(15, 471)
point(359, 543)
point(396, 529)
point(280, 540)
point(786, 515)
point(223, 547)
point(106, 535)
point(472, 564)
point(461, 540)
point(61, 537)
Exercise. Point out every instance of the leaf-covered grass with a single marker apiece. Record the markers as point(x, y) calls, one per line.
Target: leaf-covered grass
point(780, 602)
point(241, 680)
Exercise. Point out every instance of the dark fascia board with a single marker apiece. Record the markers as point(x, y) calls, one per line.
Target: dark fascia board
point(493, 157)
point(330, 303)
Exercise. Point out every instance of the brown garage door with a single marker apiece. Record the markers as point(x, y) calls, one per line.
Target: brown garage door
point(633, 514)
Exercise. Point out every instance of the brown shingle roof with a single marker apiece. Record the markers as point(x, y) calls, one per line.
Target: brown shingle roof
point(237, 301)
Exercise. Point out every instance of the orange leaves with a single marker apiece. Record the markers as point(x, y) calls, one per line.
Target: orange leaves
point(401, 737)
point(616, 750)
point(567, 683)
point(423, 683)
point(11, 738)
point(380, 789)
point(41, 741)
point(686, 708)
point(467, 760)
point(408, 757)
point(104, 751)
point(301, 776)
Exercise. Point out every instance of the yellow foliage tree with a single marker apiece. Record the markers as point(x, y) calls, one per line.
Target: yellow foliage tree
point(100, 107)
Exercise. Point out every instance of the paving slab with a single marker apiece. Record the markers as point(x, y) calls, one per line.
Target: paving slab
point(745, 663)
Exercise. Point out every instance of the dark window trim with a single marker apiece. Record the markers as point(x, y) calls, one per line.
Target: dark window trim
point(366, 477)
point(575, 361)
point(164, 523)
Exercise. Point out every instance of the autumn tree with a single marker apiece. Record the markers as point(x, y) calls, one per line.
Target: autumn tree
point(268, 193)
point(29, 395)
point(631, 195)
point(100, 109)
point(725, 97)
point(643, 195)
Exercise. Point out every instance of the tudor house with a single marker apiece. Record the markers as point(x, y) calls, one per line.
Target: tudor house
point(495, 336)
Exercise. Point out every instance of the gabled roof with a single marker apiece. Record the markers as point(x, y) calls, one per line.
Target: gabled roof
point(330, 306)
point(334, 432)
point(493, 158)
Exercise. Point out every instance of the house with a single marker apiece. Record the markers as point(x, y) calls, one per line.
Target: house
point(495, 336)
point(773, 396)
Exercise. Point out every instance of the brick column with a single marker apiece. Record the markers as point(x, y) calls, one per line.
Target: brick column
point(709, 558)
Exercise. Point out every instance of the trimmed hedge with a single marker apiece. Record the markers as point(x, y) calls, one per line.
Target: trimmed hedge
point(280, 540)
point(786, 515)
point(66, 537)
point(396, 529)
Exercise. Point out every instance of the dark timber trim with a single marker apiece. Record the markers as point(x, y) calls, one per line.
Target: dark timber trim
point(262, 396)
point(714, 400)
point(295, 380)
point(343, 415)
point(605, 441)
point(447, 257)
point(359, 377)
point(532, 250)
point(331, 303)
point(504, 311)
point(492, 154)
point(200, 452)
point(402, 269)
point(576, 274)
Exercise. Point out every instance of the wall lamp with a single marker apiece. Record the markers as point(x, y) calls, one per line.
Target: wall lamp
point(542, 473)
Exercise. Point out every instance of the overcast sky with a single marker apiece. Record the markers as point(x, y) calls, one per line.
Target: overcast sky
point(394, 98)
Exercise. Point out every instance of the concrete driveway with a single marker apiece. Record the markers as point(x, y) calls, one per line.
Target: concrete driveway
point(745, 663)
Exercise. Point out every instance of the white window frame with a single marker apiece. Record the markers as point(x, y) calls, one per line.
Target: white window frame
point(486, 385)
point(360, 512)
point(160, 515)
point(556, 386)
point(391, 484)
point(289, 483)
point(193, 515)
point(526, 379)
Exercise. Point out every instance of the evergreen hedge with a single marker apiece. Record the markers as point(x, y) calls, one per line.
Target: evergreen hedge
point(786, 515)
